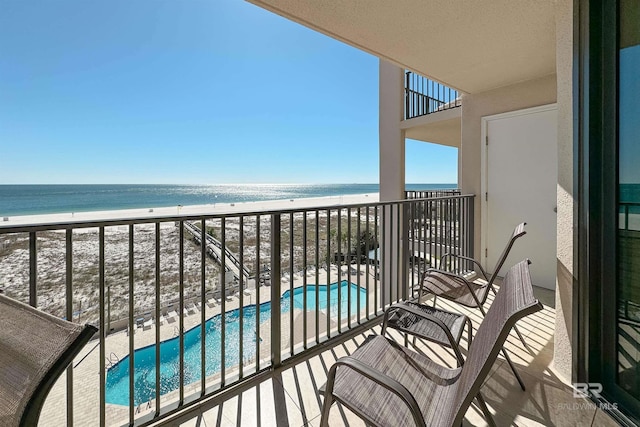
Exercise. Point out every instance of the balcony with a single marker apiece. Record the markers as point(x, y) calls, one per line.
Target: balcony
point(423, 96)
point(427, 194)
point(268, 300)
point(290, 396)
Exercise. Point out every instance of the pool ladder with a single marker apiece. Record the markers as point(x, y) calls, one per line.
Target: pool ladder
point(111, 360)
point(139, 407)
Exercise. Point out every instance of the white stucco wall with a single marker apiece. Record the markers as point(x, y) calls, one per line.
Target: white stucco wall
point(392, 152)
point(392, 174)
point(553, 88)
point(475, 106)
point(564, 64)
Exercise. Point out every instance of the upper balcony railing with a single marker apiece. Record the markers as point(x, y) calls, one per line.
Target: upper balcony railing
point(423, 96)
point(427, 194)
point(179, 321)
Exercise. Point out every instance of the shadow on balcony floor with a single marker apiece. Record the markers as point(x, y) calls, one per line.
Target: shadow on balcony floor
point(290, 396)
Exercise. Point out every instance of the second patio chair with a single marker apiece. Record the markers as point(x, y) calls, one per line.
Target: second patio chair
point(388, 384)
point(456, 288)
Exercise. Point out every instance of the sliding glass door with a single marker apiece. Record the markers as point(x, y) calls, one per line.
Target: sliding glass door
point(607, 299)
point(627, 322)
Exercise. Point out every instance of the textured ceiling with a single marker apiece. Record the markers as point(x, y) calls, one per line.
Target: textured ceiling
point(471, 45)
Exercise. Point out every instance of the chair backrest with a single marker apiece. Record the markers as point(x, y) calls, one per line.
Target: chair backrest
point(514, 301)
point(35, 348)
point(517, 232)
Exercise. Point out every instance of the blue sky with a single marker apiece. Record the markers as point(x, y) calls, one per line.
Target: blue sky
point(198, 92)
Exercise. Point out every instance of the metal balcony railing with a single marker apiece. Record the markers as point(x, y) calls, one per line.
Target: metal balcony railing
point(426, 194)
point(178, 321)
point(629, 216)
point(423, 96)
point(628, 245)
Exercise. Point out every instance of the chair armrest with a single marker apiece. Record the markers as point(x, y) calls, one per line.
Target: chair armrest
point(429, 318)
point(379, 378)
point(466, 258)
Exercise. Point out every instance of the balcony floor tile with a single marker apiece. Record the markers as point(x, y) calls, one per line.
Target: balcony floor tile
point(547, 400)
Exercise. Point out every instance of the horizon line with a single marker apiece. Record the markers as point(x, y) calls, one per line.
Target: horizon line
point(235, 184)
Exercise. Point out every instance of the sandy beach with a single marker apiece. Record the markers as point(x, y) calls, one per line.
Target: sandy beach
point(215, 208)
point(52, 267)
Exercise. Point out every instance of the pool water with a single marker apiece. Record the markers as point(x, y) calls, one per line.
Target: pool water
point(117, 381)
point(325, 300)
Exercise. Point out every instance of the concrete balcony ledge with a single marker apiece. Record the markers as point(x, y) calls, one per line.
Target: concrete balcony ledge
point(441, 127)
point(436, 116)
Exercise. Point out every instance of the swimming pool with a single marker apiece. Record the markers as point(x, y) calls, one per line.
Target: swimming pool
point(117, 381)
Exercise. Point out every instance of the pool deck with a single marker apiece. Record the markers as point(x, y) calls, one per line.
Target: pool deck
point(86, 365)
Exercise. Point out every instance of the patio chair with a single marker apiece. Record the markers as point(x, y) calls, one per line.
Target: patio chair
point(172, 315)
point(456, 288)
point(193, 309)
point(429, 323)
point(35, 348)
point(451, 286)
point(148, 324)
point(388, 384)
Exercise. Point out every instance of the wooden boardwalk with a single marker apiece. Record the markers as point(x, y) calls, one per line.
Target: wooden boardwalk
point(214, 250)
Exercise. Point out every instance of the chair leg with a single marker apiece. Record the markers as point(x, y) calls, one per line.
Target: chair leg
point(513, 368)
point(434, 300)
point(420, 295)
point(326, 407)
point(520, 336)
point(485, 410)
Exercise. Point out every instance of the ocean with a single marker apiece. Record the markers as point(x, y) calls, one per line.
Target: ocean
point(49, 199)
point(629, 193)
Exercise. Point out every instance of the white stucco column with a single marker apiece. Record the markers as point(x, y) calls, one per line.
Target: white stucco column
point(392, 185)
point(391, 90)
point(563, 349)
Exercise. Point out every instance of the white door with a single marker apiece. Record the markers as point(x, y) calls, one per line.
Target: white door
point(520, 179)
